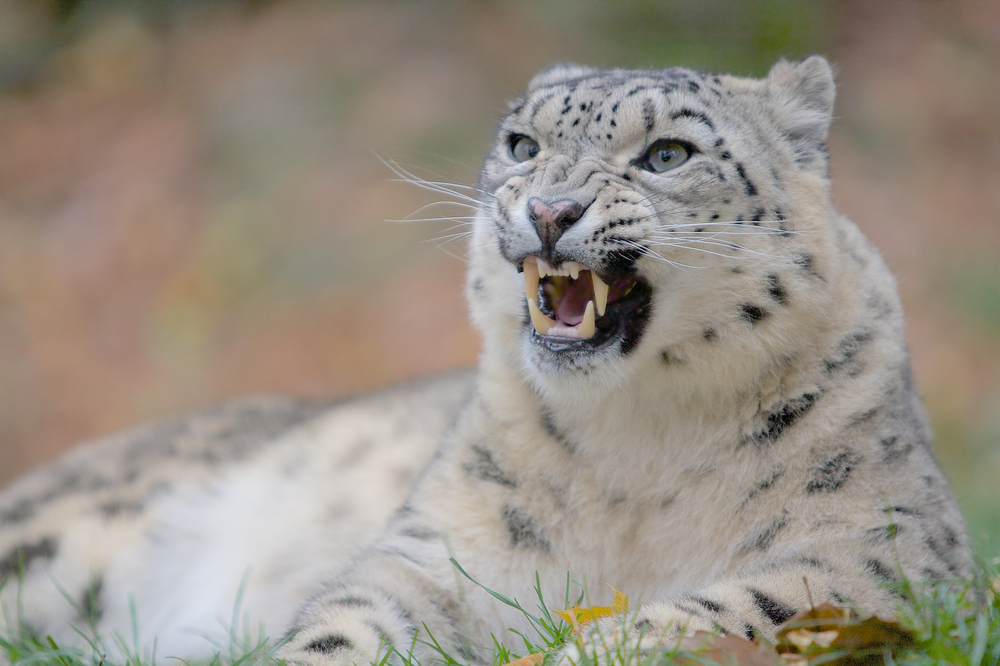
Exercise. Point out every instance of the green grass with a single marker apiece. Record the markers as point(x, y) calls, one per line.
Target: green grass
point(954, 623)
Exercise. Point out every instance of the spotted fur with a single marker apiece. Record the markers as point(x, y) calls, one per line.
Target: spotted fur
point(753, 422)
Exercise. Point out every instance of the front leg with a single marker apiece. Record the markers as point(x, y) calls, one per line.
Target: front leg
point(854, 572)
point(379, 603)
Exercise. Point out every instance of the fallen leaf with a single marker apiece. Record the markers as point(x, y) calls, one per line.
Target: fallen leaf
point(531, 660)
point(827, 629)
point(725, 650)
point(579, 616)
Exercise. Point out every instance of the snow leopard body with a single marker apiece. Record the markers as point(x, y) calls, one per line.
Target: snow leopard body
point(738, 415)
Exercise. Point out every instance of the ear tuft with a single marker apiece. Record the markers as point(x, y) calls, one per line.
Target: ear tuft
point(802, 94)
point(557, 74)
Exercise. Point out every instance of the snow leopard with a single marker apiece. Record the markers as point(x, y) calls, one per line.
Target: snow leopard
point(693, 386)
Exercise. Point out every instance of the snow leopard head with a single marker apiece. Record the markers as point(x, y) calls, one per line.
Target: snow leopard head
point(631, 216)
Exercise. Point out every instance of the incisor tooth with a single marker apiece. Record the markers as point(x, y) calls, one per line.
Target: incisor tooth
point(588, 326)
point(530, 278)
point(543, 268)
point(600, 294)
point(541, 323)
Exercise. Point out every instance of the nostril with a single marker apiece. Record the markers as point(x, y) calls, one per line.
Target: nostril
point(551, 219)
point(562, 213)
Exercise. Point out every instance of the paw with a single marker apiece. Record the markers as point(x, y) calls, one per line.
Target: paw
point(628, 637)
point(318, 647)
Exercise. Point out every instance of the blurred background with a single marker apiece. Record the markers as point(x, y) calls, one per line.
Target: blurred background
point(192, 206)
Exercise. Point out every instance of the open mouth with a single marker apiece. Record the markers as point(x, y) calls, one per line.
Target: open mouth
point(573, 307)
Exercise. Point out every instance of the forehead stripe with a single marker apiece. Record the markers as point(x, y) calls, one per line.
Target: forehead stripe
point(697, 115)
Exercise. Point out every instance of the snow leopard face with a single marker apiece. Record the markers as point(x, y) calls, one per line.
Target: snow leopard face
point(645, 211)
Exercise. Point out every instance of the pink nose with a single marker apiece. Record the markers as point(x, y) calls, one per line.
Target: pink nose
point(551, 219)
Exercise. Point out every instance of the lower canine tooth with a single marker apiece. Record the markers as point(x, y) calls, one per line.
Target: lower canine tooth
point(530, 278)
point(600, 293)
point(588, 326)
point(542, 323)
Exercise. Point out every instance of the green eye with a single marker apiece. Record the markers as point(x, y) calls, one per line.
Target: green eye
point(522, 148)
point(664, 155)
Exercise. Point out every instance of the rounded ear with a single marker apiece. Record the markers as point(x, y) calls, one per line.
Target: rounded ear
point(561, 73)
point(802, 94)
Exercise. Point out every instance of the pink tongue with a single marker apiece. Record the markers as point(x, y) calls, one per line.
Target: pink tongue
point(572, 306)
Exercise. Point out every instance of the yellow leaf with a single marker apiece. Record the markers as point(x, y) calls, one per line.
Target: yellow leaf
point(531, 660)
point(577, 615)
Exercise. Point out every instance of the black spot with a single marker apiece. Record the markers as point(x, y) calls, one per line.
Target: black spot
point(766, 484)
point(379, 630)
point(330, 644)
point(806, 262)
point(91, 606)
point(554, 432)
point(894, 450)
point(736, 270)
point(884, 533)
point(485, 467)
point(25, 554)
point(944, 547)
point(784, 417)
point(881, 570)
point(693, 86)
point(843, 356)
point(709, 604)
point(766, 537)
point(524, 530)
point(774, 288)
point(752, 313)
point(833, 474)
point(598, 118)
point(667, 358)
point(353, 602)
point(649, 115)
point(725, 154)
point(18, 513)
point(709, 334)
point(477, 285)
point(750, 187)
point(697, 115)
point(749, 632)
point(773, 610)
point(115, 508)
point(643, 626)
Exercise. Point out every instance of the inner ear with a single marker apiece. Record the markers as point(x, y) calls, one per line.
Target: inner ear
point(802, 97)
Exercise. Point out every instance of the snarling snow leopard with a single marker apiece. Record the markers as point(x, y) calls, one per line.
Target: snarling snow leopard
point(693, 386)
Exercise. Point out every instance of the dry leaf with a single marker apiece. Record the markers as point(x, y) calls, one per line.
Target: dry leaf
point(828, 628)
point(578, 616)
point(531, 660)
point(725, 650)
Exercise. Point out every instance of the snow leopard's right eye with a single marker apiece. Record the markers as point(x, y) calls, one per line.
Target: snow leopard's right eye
point(522, 148)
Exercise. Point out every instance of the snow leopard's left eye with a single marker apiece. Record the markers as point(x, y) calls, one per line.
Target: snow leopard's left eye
point(664, 155)
point(522, 148)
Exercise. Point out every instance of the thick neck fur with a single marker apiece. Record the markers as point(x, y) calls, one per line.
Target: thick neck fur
point(649, 420)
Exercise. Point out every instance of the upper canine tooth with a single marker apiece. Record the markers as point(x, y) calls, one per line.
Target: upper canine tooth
point(600, 293)
point(530, 278)
point(588, 326)
point(574, 269)
point(541, 323)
